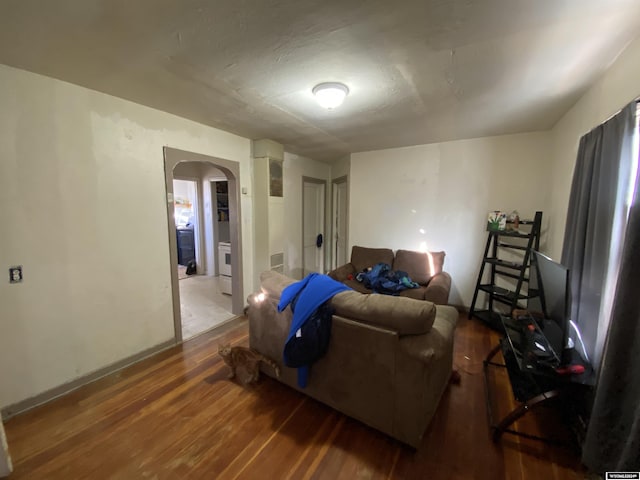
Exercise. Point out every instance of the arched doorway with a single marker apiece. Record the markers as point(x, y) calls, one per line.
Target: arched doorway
point(231, 171)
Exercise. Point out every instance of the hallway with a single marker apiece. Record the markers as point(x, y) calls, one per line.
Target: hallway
point(202, 306)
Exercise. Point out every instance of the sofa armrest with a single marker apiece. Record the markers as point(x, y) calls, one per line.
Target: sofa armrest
point(437, 290)
point(342, 273)
point(423, 369)
point(273, 283)
point(436, 342)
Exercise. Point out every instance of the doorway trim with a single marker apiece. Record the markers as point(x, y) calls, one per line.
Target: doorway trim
point(335, 218)
point(322, 182)
point(173, 156)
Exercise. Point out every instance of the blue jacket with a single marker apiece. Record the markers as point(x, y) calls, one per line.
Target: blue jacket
point(312, 291)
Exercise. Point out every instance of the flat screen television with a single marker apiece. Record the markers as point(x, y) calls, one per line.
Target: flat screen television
point(554, 301)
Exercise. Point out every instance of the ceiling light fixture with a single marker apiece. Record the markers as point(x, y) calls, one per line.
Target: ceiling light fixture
point(331, 94)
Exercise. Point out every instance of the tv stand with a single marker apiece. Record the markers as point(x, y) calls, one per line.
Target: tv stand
point(533, 382)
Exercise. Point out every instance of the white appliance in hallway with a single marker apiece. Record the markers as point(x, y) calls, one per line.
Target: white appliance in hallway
point(224, 267)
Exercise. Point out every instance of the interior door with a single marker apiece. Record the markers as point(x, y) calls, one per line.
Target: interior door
point(313, 226)
point(340, 223)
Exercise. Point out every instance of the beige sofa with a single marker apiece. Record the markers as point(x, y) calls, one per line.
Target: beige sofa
point(388, 362)
point(423, 268)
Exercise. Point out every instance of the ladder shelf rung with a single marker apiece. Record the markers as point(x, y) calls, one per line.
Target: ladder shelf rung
point(503, 263)
point(506, 294)
point(523, 222)
point(511, 233)
point(515, 247)
point(509, 302)
point(511, 275)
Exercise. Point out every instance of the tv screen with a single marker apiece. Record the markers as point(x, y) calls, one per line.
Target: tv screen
point(555, 300)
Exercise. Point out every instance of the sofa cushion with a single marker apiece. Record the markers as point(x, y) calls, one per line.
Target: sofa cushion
point(356, 285)
point(364, 257)
point(405, 315)
point(420, 266)
point(417, 293)
point(343, 273)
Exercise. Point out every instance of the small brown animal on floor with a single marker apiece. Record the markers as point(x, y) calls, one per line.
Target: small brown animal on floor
point(247, 360)
point(455, 377)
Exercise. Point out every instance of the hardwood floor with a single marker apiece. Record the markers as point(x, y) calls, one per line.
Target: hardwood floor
point(176, 415)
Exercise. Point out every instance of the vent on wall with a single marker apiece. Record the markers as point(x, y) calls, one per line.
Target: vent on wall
point(277, 262)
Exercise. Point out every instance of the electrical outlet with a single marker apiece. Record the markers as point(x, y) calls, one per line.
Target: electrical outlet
point(15, 274)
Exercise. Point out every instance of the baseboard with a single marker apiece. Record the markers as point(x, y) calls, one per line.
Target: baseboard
point(55, 392)
point(460, 308)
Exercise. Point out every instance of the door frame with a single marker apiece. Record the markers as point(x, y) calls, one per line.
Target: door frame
point(231, 169)
point(323, 183)
point(215, 270)
point(335, 217)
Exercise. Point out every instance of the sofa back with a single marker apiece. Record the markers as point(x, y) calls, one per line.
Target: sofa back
point(364, 257)
point(420, 266)
point(404, 315)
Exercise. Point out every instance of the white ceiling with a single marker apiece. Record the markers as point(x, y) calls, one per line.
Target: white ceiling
point(418, 71)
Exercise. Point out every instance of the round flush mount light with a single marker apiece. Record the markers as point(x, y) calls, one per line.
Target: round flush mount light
point(331, 94)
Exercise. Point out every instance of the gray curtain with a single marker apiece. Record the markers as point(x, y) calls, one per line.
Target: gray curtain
point(613, 436)
point(599, 187)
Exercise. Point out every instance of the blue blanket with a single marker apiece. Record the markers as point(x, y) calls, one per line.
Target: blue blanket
point(311, 292)
point(381, 279)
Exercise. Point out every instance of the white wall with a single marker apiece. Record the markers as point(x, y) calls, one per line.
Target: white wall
point(341, 167)
point(618, 86)
point(83, 209)
point(446, 190)
point(296, 167)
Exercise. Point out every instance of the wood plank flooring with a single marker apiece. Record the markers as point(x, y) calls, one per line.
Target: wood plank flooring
point(176, 415)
